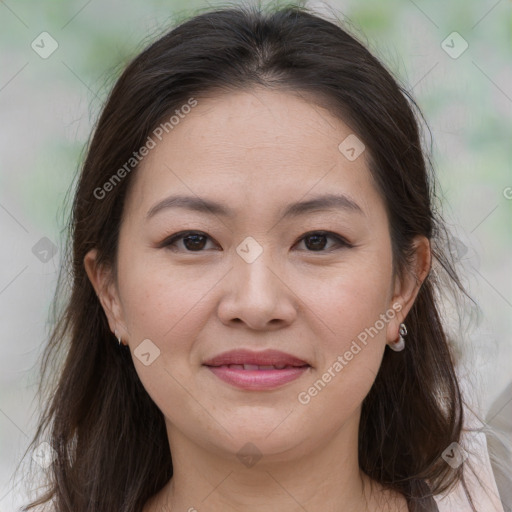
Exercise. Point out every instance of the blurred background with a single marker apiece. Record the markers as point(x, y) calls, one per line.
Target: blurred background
point(58, 61)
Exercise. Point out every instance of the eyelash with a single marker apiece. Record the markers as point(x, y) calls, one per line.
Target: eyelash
point(170, 242)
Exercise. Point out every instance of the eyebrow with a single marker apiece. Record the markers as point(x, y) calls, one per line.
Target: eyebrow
point(208, 206)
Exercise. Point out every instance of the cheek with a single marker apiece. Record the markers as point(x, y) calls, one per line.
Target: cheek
point(355, 312)
point(352, 344)
point(157, 302)
point(165, 310)
point(351, 299)
point(359, 303)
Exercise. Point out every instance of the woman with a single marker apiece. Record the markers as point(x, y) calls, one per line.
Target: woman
point(256, 257)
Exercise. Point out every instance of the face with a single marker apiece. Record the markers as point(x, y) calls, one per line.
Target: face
point(310, 282)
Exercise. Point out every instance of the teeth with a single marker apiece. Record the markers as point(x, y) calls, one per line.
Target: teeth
point(254, 367)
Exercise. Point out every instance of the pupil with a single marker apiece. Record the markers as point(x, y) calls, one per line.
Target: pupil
point(317, 237)
point(195, 244)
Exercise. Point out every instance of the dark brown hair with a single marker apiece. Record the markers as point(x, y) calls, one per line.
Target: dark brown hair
point(98, 414)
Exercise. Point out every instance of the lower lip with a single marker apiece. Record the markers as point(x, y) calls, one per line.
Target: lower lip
point(257, 380)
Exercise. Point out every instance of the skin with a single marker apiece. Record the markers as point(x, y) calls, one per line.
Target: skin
point(257, 151)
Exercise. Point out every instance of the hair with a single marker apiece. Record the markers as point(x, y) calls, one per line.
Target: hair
point(108, 436)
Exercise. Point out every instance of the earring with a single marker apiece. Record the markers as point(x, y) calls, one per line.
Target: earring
point(400, 344)
point(118, 337)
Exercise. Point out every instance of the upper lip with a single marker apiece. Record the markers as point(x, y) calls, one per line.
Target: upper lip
point(244, 356)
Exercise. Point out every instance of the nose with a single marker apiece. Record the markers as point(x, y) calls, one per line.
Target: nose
point(257, 295)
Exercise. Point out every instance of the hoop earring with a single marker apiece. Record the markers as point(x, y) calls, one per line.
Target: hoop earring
point(399, 345)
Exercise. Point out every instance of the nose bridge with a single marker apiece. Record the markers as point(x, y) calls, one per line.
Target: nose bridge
point(253, 268)
point(256, 293)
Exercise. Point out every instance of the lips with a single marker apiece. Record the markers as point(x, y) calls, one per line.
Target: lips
point(249, 360)
point(257, 371)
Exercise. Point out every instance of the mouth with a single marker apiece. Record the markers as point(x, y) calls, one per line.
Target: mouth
point(256, 367)
point(249, 359)
point(257, 371)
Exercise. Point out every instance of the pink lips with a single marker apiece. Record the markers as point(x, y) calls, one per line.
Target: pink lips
point(256, 370)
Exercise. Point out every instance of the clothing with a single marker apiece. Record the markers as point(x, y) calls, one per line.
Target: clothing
point(479, 472)
point(425, 504)
point(499, 442)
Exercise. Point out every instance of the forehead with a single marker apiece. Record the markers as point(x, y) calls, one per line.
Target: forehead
point(258, 146)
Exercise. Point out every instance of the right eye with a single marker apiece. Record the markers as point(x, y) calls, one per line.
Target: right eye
point(193, 241)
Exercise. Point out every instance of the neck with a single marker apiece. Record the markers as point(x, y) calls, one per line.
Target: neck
point(308, 477)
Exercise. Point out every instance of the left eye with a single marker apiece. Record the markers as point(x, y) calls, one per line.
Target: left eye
point(195, 241)
point(318, 238)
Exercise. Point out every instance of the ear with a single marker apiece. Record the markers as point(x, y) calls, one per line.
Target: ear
point(407, 286)
point(105, 287)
